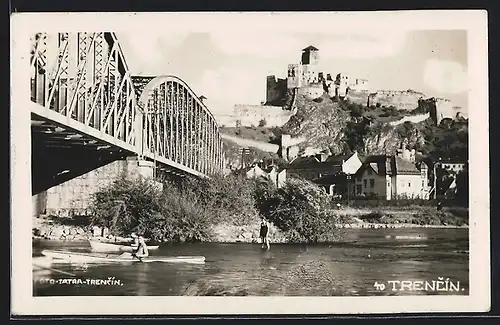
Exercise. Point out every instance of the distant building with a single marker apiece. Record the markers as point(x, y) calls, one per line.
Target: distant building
point(452, 166)
point(341, 183)
point(448, 171)
point(321, 165)
point(276, 175)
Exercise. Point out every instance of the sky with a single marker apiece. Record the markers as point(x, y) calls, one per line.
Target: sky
point(230, 66)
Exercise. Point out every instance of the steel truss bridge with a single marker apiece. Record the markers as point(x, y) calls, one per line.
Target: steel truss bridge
point(84, 96)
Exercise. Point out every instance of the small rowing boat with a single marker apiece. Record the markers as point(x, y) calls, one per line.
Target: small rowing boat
point(96, 258)
point(102, 247)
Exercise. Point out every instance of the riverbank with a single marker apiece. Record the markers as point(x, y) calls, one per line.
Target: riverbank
point(78, 229)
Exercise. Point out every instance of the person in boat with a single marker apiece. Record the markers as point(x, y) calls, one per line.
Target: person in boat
point(264, 232)
point(141, 249)
point(135, 239)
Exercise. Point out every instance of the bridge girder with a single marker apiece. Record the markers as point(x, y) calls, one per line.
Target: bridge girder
point(84, 77)
point(178, 126)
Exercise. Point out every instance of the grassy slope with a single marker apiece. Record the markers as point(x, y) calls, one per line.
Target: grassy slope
point(263, 134)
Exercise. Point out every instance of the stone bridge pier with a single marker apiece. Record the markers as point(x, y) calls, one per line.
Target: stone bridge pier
point(72, 197)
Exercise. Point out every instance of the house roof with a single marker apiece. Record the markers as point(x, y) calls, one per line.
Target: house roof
point(389, 165)
point(337, 159)
point(328, 179)
point(379, 163)
point(302, 161)
point(333, 163)
point(404, 167)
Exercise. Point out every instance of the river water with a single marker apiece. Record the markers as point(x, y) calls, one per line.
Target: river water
point(348, 268)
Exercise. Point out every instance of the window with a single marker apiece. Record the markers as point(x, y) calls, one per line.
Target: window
point(372, 183)
point(358, 189)
point(423, 183)
point(409, 184)
point(364, 183)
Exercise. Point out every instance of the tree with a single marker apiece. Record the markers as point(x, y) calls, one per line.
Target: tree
point(300, 209)
point(462, 179)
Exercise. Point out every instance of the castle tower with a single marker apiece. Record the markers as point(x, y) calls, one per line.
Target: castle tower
point(310, 59)
point(310, 55)
point(342, 84)
point(294, 79)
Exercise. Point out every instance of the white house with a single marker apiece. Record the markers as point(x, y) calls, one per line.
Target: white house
point(392, 177)
point(273, 173)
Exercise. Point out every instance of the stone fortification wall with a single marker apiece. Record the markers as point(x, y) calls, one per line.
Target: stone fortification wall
point(313, 91)
point(413, 119)
point(252, 115)
point(406, 99)
point(359, 97)
point(438, 108)
point(276, 90)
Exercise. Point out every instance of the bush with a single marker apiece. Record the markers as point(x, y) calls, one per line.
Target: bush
point(184, 211)
point(127, 206)
point(299, 209)
point(229, 199)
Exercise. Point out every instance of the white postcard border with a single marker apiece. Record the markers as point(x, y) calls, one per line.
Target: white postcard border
point(23, 302)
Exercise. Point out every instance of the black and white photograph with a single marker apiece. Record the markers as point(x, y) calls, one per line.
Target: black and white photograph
point(189, 156)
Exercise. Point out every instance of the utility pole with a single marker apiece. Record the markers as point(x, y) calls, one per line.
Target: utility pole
point(244, 152)
point(435, 177)
point(348, 189)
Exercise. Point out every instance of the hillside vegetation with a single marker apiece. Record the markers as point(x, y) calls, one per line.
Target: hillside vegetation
point(340, 126)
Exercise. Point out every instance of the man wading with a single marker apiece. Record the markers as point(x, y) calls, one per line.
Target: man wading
point(264, 231)
point(141, 247)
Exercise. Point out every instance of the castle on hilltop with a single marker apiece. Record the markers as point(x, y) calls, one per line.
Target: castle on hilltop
point(305, 79)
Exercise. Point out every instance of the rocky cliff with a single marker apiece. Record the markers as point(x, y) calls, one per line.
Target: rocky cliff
point(326, 125)
point(384, 138)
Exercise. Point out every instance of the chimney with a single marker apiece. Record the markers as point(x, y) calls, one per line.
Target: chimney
point(412, 155)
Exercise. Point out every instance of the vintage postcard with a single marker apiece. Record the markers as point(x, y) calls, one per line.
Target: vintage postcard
point(250, 163)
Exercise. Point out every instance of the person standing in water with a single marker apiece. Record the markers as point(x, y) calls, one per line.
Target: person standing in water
point(264, 231)
point(141, 249)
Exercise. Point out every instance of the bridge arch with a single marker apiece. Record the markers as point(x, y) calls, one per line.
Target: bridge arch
point(177, 126)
